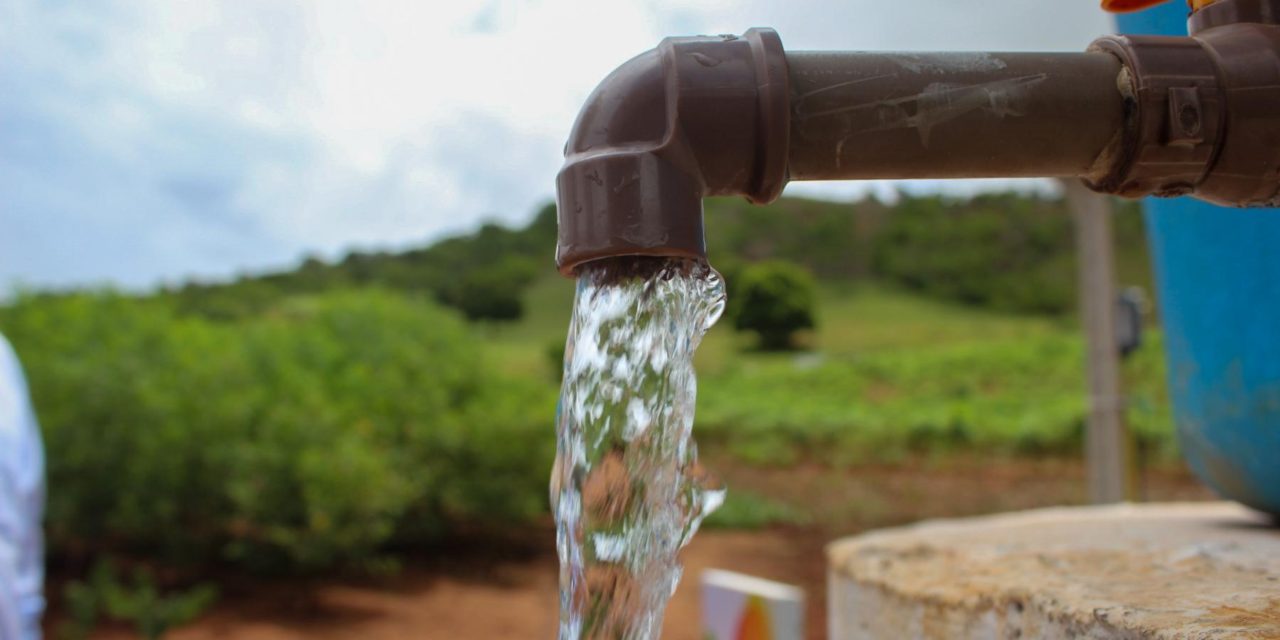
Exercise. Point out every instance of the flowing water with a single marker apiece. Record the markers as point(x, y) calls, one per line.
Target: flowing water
point(626, 488)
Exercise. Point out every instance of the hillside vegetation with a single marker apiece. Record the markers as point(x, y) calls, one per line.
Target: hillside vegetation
point(1002, 251)
point(334, 414)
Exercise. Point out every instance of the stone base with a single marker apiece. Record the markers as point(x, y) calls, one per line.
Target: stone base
point(1196, 571)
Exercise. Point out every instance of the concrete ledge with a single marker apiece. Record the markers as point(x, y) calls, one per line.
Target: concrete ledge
point(1197, 571)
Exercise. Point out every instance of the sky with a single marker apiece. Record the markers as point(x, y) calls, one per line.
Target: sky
point(152, 142)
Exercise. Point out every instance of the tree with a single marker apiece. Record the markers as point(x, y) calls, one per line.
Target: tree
point(774, 299)
point(491, 291)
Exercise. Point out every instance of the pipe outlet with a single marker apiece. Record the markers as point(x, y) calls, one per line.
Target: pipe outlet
point(694, 117)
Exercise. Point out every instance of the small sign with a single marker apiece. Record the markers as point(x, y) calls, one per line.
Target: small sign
point(741, 607)
point(1129, 306)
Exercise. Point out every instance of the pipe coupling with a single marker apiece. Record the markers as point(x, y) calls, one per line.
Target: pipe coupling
point(1200, 111)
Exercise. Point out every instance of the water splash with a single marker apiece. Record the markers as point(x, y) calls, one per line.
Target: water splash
point(626, 489)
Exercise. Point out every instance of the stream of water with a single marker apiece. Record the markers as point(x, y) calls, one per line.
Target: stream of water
point(626, 489)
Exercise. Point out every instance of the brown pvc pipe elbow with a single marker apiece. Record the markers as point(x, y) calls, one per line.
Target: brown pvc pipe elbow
point(694, 117)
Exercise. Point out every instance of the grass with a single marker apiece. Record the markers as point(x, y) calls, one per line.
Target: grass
point(864, 319)
point(852, 319)
point(748, 510)
point(886, 374)
point(521, 347)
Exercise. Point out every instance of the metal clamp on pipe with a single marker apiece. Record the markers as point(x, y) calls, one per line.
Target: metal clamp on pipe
point(1133, 116)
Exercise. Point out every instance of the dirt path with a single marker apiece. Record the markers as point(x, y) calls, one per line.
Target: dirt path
point(511, 593)
point(514, 600)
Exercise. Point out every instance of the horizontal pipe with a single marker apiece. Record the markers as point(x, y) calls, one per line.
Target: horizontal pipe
point(860, 115)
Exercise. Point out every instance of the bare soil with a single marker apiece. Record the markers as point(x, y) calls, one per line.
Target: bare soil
point(509, 590)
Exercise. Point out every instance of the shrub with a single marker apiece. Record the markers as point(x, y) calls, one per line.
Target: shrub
point(491, 292)
point(152, 612)
point(745, 510)
point(775, 300)
point(1006, 252)
point(309, 436)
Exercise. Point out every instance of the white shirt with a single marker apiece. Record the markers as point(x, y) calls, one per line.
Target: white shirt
point(21, 505)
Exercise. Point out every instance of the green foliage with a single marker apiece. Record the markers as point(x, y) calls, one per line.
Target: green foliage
point(1005, 251)
point(308, 436)
point(491, 292)
point(775, 300)
point(83, 605)
point(288, 422)
point(555, 358)
point(998, 251)
point(152, 613)
point(830, 239)
point(483, 274)
point(894, 374)
point(1020, 396)
point(745, 510)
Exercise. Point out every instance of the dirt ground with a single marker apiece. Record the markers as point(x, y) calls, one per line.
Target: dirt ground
point(489, 593)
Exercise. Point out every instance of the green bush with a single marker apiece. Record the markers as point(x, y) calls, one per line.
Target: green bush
point(1004, 252)
point(492, 291)
point(746, 510)
point(482, 274)
point(311, 435)
point(775, 300)
point(831, 239)
point(152, 613)
point(142, 603)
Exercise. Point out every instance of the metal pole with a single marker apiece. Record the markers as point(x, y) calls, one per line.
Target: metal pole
point(1106, 441)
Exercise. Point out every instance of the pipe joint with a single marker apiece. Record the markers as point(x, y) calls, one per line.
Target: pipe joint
point(1200, 111)
point(694, 117)
point(1173, 117)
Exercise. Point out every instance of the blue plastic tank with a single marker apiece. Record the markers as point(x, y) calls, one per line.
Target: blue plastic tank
point(1218, 279)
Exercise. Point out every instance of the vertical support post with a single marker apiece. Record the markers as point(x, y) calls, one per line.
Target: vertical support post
point(1106, 441)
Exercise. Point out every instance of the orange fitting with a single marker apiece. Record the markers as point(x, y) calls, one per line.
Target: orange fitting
point(1126, 6)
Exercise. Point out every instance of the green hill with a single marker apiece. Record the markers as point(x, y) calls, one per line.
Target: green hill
point(1003, 251)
